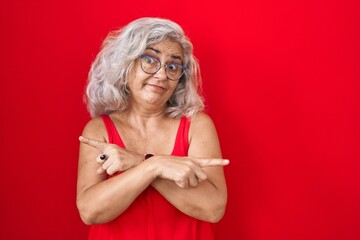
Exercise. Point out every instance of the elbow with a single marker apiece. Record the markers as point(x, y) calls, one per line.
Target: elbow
point(87, 214)
point(87, 219)
point(90, 214)
point(216, 215)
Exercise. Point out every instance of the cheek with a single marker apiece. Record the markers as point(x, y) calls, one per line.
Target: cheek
point(173, 86)
point(134, 77)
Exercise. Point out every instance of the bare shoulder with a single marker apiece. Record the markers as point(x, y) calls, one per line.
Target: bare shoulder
point(201, 122)
point(95, 129)
point(203, 137)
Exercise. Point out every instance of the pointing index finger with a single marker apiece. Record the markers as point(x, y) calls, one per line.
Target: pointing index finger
point(212, 162)
point(93, 143)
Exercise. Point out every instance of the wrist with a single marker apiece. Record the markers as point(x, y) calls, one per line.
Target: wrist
point(149, 163)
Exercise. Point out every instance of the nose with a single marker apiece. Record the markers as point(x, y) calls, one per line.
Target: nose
point(161, 73)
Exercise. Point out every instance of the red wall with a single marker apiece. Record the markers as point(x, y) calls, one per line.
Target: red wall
point(281, 80)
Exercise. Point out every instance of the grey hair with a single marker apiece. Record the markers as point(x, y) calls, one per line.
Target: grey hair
point(106, 91)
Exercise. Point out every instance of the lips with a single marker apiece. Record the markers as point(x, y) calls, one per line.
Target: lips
point(156, 86)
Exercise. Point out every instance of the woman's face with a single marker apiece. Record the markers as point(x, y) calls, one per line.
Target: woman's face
point(155, 89)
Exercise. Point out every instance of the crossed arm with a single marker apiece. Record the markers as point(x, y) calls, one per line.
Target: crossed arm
point(196, 186)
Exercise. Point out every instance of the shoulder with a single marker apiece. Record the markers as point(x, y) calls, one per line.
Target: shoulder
point(95, 129)
point(201, 123)
point(203, 138)
point(201, 119)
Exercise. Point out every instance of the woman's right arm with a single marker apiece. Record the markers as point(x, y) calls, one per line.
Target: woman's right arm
point(101, 199)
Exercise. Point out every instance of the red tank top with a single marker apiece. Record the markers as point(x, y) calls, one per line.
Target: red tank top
point(151, 216)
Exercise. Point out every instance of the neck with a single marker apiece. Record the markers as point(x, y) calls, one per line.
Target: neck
point(142, 117)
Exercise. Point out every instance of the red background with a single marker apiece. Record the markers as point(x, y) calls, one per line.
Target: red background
point(281, 79)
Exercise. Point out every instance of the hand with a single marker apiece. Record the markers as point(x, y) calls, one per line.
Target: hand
point(117, 158)
point(184, 171)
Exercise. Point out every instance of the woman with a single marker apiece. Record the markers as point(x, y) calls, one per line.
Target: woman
point(142, 94)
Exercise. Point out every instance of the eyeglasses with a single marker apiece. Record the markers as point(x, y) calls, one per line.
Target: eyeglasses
point(152, 65)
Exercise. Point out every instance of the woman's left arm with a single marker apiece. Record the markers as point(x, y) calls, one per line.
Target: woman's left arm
point(206, 201)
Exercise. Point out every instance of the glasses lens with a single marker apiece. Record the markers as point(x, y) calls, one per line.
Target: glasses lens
point(174, 71)
point(149, 64)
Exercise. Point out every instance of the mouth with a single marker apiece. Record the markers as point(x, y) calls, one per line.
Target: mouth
point(157, 87)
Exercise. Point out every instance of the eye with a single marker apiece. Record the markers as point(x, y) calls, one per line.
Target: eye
point(149, 59)
point(173, 67)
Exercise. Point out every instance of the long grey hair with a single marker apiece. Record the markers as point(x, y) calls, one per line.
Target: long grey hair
point(106, 90)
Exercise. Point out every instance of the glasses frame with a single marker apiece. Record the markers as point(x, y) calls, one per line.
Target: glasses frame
point(183, 68)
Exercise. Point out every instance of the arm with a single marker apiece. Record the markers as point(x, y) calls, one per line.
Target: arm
point(207, 201)
point(118, 192)
point(100, 199)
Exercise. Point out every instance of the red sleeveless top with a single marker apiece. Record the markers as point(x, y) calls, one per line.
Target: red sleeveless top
point(151, 216)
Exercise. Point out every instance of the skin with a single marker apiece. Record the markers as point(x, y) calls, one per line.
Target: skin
point(195, 184)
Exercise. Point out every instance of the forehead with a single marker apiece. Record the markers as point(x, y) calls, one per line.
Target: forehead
point(167, 47)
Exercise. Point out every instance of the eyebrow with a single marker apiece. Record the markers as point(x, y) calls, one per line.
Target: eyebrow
point(158, 52)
